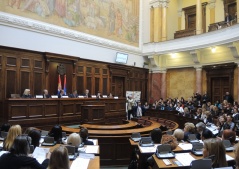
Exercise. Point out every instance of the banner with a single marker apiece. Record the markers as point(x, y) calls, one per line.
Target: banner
point(65, 84)
point(59, 84)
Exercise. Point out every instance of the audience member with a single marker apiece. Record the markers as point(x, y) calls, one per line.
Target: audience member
point(130, 104)
point(237, 155)
point(35, 136)
point(56, 132)
point(5, 127)
point(229, 135)
point(228, 97)
point(178, 134)
point(139, 110)
point(74, 140)
point(18, 156)
point(206, 134)
point(59, 159)
point(200, 127)
point(13, 132)
point(84, 137)
point(156, 135)
point(27, 93)
point(214, 147)
point(189, 128)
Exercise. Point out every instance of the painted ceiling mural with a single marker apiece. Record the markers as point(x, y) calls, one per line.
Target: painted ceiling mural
point(116, 20)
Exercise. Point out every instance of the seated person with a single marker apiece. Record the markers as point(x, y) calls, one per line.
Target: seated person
point(98, 96)
point(229, 135)
point(56, 132)
point(189, 128)
point(35, 136)
point(200, 127)
point(18, 156)
point(45, 94)
point(215, 147)
point(206, 134)
point(236, 155)
point(84, 137)
point(110, 95)
point(27, 93)
point(178, 134)
point(74, 140)
point(156, 135)
point(87, 94)
point(5, 127)
point(62, 93)
point(74, 94)
point(59, 158)
point(13, 132)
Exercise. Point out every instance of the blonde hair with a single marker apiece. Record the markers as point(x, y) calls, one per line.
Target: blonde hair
point(178, 134)
point(74, 139)
point(189, 127)
point(26, 92)
point(59, 159)
point(215, 147)
point(13, 132)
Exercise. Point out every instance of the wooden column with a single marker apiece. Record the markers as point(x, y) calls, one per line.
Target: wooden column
point(198, 17)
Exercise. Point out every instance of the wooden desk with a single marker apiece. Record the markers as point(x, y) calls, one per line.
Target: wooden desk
point(159, 164)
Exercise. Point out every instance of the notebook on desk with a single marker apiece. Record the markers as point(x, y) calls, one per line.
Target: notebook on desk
point(164, 151)
point(146, 142)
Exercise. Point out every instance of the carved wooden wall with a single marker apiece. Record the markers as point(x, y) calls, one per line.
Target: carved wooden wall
point(21, 69)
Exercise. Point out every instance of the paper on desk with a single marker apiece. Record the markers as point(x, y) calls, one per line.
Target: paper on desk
point(3, 152)
point(186, 146)
point(148, 149)
point(92, 149)
point(184, 158)
point(80, 162)
point(1, 144)
point(213, 129)
point(229, 158)
point(88, 156)
point(40, 154)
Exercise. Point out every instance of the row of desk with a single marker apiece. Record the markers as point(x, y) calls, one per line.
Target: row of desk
point(184, 149)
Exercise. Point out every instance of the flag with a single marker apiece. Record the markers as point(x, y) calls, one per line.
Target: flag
point(65, 84)
point(59, 84)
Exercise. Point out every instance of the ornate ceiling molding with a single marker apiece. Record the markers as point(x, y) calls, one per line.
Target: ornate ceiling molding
point(44, 28)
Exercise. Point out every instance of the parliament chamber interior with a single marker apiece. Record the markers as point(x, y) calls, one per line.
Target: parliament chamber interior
point(136, 84)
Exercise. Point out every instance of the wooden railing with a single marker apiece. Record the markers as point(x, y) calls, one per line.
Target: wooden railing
point(220, 25)
point(185, 33)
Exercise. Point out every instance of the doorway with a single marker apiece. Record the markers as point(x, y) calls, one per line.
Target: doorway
point(118, 86)
point(220, 85)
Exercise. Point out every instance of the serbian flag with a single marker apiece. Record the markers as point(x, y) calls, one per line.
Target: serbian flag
point(59, 84)
point(65, 84)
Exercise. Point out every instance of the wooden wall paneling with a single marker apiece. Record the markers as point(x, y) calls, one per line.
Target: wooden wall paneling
point(38, 81)
point(89, 84)
point(97, 85)
point(11, 82)
point(51, 108)
point(25, 81)
point(105, 86)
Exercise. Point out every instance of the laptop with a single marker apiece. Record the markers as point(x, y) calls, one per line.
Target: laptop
point(164, 151)
point(197, 149)
point(71, 152)
point(136, 137)
point(146, 142)
point(48, 141)
point(192, 138)
point(228, 146)
point(3, 135)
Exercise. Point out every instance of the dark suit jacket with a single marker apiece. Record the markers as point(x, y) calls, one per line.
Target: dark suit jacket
point(87, 142)
point(26, 96)
point(46, 96)
point(88, 95)
point(73, 96)
point(11, 161)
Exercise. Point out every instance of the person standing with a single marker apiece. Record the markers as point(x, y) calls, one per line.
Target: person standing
point(130, 104)
point(228, 97)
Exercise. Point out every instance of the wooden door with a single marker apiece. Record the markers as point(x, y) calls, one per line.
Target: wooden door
point(220, 85)
point(118, 87)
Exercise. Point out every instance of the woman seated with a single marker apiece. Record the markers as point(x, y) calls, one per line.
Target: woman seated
point(189, 128)
point(56, 132)
point(35, 136)
point(74, 140)
point(178, 134)
point(229, 135)
point(27, 93)
point(156, 135)
point(206, 134)
point(84, 137)
point(59, 158)
point(214, 147)
point(18, 156)
point(5, 127)
point(13, 132)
